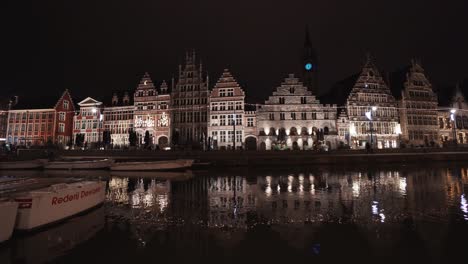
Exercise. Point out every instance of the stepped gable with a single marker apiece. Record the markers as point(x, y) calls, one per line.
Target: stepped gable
point(370, 75)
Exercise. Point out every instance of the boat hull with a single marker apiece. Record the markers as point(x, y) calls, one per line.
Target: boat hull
point(78, 165)
point(46, 206)
point(21, 165)
point(8, 212)
point(165, 165)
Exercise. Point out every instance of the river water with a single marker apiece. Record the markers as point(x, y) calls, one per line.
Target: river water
point(303, 215)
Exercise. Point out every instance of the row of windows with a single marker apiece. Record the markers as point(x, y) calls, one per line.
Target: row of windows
point(420, 94)
point(226, 92)
point(195, 101)
point(37, 115)
point(43, 127)
point(282, 100)
point(422, 120)
point(226, 136)
point(87, 124)
point(385, 128)
point(145, 106)
point(417, 105)
point(380, 112)
point(230, 106)
point(372, 97)
point(422, 135)
point(190, 117)
point(189, 88)
point(294, 116)
point(118, 116)
point(151, 92)
point(222, 120)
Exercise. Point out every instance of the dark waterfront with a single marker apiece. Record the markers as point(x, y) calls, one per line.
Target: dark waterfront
point(397, 215)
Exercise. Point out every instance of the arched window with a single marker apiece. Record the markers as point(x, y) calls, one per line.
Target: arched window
point(293, 131)
point(272, 132)
point(325, 131)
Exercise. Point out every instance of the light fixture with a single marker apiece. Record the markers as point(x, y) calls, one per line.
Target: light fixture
point(94, 110)
point(369, 115)
point(453, 111)
point(374, 108)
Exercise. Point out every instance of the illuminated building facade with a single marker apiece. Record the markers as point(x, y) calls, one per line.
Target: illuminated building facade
point(118, 120)
point(418, 108)
point(294, 118)
point(89, 122)
point(189, 104)
point(152, 113)
point(372, 111)
point(38, 127)
point(226, 113)
point(453, 119)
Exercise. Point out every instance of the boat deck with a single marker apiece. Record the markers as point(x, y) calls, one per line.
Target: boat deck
point(10, 186)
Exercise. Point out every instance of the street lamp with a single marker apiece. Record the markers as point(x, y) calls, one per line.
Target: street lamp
point(454, 125)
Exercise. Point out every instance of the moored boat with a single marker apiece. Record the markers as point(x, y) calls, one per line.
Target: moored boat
point(166, 175)
point(163, 165)
point(8, 211)
point(21, 164)
point(79, 165)
point(57, 202)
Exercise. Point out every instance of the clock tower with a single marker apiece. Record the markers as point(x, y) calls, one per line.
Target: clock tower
point(309, 65)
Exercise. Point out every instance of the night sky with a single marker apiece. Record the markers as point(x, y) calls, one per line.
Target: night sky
point(95, 47)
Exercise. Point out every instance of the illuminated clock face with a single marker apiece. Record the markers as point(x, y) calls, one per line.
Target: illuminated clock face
point(308, 66)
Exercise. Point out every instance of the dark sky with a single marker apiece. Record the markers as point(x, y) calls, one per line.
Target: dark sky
point(97, 47)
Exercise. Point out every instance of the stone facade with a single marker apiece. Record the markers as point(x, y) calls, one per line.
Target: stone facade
point(118, 120)
point(293, 118)
point(37, 127)
point(454, 124)
point(371, 92)
point(226, 113)
point(152, 112)
point(418, 109)
point(89, 122)
point(189, 104)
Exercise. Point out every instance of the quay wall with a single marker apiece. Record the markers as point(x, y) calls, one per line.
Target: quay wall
point(279, 158)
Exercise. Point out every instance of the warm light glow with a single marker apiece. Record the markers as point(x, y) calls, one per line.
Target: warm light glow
point(374, 108)
point(145, 82)
point(453, 111)
point(464, 206)
point(352, 130)
point(94, 110)
point(398, 129)
point(369, 115)
point(402, 186)
point(268, 189)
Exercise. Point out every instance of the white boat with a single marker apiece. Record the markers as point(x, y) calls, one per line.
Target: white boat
point(79, 165)
point(57, 202)
point(8, 211)
point(152, 165)
point(22, 164)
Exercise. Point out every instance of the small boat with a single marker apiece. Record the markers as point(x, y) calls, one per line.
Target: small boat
point(79, 165)
point(162, 165)
point(8, 210)
point(57, 202)
point(22, 164)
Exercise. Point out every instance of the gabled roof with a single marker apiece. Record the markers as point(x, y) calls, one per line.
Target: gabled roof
point(88, 101)
point(65, 93)
point(226, 81)
point(146, 82)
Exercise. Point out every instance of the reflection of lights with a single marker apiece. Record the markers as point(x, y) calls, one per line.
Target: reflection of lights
point(278, 188)
point(356, 189)
point(382, 217)
point(290, 182)
point(312, 186)
point(403, 186)
point(301, 183)
point(268, 189)
point(375, 209)
point(464, 206)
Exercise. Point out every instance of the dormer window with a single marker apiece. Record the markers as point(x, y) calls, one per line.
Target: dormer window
point(65, 104)
point(291, 90)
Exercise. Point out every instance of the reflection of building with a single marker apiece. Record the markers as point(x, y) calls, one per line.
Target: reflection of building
point(118, 120)
point(226, 113)
point(39, 126)
point(371, 96)
point(418, 103)
point(89, 121)
point(190, 104)
point(152, 112)
point(293, 118)
point(456, 123)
